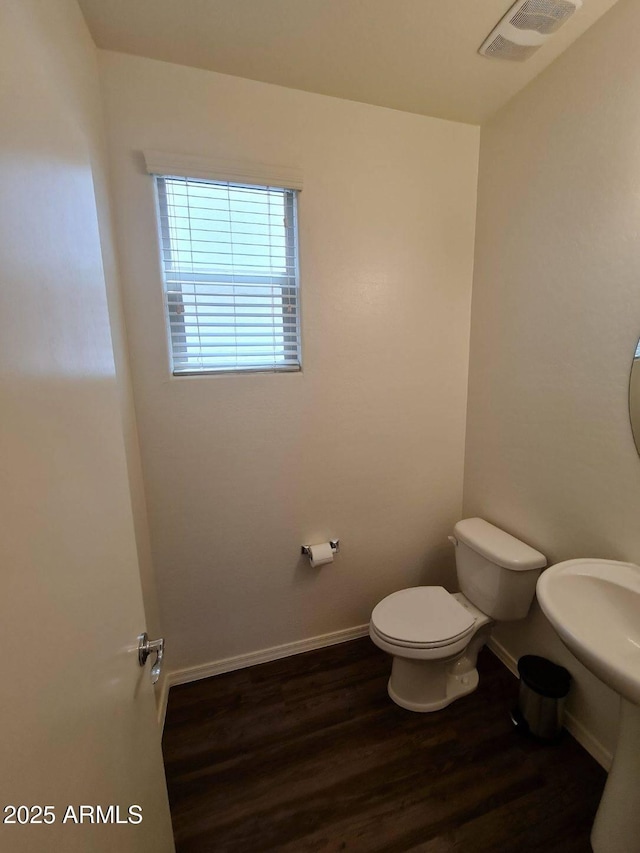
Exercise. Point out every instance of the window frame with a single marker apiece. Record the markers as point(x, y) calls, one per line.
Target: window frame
point(292, 341)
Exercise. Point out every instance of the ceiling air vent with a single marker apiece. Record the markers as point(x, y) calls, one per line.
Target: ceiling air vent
point(526, 27)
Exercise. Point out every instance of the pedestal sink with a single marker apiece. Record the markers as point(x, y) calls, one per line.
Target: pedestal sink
point(594, 605)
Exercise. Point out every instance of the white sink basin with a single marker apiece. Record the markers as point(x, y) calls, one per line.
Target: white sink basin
point(594, 605)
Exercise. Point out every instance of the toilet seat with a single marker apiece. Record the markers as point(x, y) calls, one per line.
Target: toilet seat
point(421, 617)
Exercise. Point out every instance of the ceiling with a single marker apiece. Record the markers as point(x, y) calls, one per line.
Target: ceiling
point(414, 55)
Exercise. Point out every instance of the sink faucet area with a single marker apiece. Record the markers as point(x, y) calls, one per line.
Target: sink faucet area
point(594, 605)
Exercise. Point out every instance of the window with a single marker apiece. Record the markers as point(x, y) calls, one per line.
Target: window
point(230, 268)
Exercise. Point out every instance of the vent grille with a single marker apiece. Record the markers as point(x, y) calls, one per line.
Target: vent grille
point(526, 27)
point(543, 16)
point(502, 48)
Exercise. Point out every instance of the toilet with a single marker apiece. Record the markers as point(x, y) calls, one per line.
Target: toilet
point(435, 636)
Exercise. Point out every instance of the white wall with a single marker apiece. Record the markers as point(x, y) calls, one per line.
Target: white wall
point(556, 316)
point(69, 51)
point(367, 443)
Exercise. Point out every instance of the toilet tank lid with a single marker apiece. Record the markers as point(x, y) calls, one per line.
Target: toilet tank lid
point(496, 545)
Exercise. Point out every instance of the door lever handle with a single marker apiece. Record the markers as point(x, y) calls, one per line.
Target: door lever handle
point(147, 647)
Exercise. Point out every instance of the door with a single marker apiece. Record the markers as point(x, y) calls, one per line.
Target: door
point(78, 726)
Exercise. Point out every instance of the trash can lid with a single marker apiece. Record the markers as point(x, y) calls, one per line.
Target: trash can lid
point(546, 678)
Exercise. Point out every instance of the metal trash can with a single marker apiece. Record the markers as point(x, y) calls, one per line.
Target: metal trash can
point(543, 689)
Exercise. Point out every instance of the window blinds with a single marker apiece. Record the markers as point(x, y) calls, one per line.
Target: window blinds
point(230, 266)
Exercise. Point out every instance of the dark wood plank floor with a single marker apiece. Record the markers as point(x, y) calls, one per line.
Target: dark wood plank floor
point(310, 754)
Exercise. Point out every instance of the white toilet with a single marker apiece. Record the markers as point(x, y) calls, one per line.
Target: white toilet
point(435, 636)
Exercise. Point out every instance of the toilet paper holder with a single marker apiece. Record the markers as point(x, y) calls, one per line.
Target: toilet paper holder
point(335, 547)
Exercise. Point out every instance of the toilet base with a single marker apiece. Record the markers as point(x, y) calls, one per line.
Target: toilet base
point(456, 687)
point(429, 685)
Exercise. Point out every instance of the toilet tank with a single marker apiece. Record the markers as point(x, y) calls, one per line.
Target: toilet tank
point(496, 571)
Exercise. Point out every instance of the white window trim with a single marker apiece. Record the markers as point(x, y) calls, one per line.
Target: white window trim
point(166, 164)
point(215, 169)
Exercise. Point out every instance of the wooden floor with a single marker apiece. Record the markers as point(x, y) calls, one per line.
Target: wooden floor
point(310, 754)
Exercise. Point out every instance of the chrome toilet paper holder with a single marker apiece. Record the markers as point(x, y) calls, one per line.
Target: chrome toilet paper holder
point(305, 550)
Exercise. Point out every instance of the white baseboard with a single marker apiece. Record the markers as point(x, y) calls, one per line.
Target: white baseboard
point(206, 670)
point(572, 724)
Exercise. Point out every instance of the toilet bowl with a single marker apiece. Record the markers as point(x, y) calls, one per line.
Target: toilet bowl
point(434, 636)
